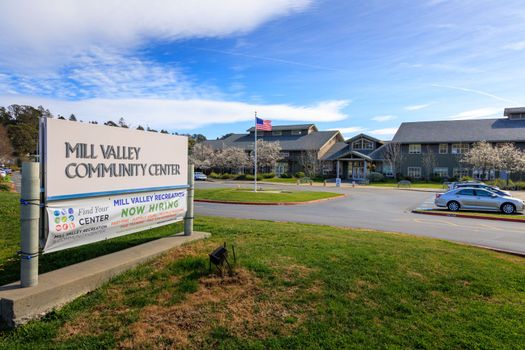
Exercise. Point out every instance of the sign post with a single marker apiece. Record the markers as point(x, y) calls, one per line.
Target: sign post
point(188, 219)
point(29, 215)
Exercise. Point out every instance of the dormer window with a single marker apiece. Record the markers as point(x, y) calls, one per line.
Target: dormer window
point(297, 132)
point(363, 144)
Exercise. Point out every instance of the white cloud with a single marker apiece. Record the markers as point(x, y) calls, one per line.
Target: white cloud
point(383, 133)
point(383, 118)
point(349, 130)
point(57, 30)
point(516, 46)
point(487, 112)
point(173, 114)
point(417, 107)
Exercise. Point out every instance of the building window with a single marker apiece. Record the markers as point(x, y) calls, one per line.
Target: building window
point(285, 154)
point(363, 144)
point(328, 168)
point(517, 116)
point(414, 148)
point(277, 133)
point(443, 148)
point(414, 172)
point(441, 172)
point(459, 148)
point(459, 172)
point(281, 168)
point(387, 170)
point(297, 132)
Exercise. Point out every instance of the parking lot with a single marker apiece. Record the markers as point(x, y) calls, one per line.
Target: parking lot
point(383, 209)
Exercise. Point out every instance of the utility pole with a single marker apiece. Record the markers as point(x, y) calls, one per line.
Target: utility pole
point(29, 220)
point(255, 157)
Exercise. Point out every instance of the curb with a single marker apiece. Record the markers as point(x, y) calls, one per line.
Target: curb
point(467, 216)
point(268, 203)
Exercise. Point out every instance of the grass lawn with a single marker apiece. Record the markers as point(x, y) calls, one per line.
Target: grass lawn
point(263, 196)
point(478, 213)
point(300, 286)
point(413, 185)
point(292, 180)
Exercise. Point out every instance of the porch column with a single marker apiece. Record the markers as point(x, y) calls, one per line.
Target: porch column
point(364, 169)
point(337, 169)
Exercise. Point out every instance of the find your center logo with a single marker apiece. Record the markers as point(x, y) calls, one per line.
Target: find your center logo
point(64, 219)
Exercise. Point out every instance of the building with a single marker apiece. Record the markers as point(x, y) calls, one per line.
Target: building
point(426, 149)
point(448, 140)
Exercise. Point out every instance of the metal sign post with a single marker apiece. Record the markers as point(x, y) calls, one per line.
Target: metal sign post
point(29, 215)
point(188, 219)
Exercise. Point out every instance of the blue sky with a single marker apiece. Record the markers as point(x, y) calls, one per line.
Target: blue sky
point(206, 66)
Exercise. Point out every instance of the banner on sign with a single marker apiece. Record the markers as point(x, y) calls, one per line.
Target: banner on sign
point(72, 223)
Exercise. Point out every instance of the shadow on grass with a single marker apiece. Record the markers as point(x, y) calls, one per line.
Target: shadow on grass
point(10, 268)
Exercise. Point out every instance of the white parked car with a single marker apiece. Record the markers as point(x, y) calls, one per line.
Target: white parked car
point(200, 176)
point(478, 199)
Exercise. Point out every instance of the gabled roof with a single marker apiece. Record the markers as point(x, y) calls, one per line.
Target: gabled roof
point(288, 127)
point(492, 130)
point(342, 150)
point(312, 141)
point(357, 137)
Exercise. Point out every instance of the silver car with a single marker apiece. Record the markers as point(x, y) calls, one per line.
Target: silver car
point(494, 189)
point(478, 199)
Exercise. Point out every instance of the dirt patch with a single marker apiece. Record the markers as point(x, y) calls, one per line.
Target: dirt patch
point(239, 305)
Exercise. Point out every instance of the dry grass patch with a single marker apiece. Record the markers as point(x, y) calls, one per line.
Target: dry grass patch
point(239, 304)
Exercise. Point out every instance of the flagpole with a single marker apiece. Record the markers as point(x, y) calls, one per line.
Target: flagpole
point(255, 157)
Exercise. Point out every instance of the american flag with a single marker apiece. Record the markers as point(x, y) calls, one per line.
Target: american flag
point(265, 125)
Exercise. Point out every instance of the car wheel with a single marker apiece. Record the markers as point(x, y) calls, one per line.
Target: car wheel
point(453, 206)
point(508, 208)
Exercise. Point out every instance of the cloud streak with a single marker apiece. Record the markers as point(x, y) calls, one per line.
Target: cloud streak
point(478, 92)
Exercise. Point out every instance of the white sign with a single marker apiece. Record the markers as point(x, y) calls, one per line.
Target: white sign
point(84, 221)
point(86, 160)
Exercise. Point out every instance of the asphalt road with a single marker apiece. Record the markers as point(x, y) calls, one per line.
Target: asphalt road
point(378, 209)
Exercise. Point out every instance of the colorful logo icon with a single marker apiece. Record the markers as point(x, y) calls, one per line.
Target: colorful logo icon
point(71, 218)
point(58, 228)
point(64, 218)
point(56, 212)
point(57, 220)
point(65, 227)
point(63, 212)
point(70, 211)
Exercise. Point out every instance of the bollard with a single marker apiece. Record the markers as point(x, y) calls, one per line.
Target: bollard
point(29, 221)
point(188, 219)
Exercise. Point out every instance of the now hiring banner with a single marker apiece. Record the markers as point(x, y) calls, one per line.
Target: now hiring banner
point(102, 182)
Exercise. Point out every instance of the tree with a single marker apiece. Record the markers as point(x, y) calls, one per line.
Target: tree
point(394, 157)
point(72, 118)
point(23, 138)
point(202, 156)
point(6, 150)
point(509, 159)
point(429, 162)
point(309, 162)
point(482, 156)
point(122, 123)
point(140, 128)
point(234, 158)
point(268, 153)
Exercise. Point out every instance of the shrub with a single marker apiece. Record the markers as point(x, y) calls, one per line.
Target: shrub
point(436, 179)
point(226, 176)
point(214, 175)
point(240, 177)
point(268, 175)
point(375, 177)
point(408, 178)
point(467, 178)
point(4, 187)
point(250, 177)
point(286, 176)
point(299, 174)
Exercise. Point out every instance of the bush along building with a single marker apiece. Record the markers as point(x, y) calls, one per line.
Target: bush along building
point(419, 150)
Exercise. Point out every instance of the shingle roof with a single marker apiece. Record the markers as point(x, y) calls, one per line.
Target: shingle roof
point(513, 110)
point(312, 141)
point(493, 130)
point(288, 127)
point(341, 150)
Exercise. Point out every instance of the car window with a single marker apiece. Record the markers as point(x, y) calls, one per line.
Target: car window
point(483, 193)
point(466, 192)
